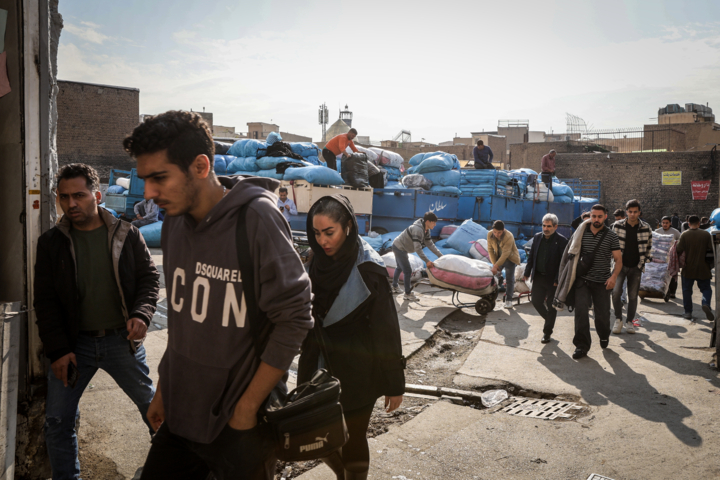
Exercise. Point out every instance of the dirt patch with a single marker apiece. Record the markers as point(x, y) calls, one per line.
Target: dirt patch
point(437, 362)
point(93, 464)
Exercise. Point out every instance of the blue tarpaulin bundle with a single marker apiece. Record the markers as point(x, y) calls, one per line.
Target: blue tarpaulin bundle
point(116, 189)
point(273, 137)
point(389, 238)
point(250, 149)
point(562, 193)
point(437, 163)
point(271, 173)
point(220, 165)
point(151, 234)
point(715, 216)
point(238, 148)
point(375, 242)
point(305, 149)
point(317, 175)
point(268, 163)
point(393, 173)
point(242, 164)
point(461, 240)
point(448, 178)
point(421, 157)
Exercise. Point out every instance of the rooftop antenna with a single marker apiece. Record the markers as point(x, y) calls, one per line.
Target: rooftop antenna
point(323, 118)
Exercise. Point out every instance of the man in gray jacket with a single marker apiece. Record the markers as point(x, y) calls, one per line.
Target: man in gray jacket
point(146, 212)
point(413, 240)
point(212, 381)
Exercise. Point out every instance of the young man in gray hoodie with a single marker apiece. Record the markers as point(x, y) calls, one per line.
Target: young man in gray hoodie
point(212, 383)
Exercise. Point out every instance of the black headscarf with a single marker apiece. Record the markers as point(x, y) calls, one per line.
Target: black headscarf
point(328, 274)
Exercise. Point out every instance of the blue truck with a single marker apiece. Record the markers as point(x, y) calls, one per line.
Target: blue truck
point(124, 203)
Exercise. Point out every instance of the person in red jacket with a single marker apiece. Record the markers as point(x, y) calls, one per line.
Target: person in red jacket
point(338, 145)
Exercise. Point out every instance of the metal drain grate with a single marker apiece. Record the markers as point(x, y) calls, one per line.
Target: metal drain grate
point(544, 409)
point(595, 476)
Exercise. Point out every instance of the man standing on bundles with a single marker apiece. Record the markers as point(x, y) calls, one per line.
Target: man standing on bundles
point(337, 146)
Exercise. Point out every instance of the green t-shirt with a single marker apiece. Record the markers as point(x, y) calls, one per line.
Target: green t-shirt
point(100, 302)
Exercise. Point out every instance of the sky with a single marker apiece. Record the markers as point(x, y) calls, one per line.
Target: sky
point(434, 68)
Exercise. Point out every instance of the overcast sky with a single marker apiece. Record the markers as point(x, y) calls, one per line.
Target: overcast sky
point(435, 68)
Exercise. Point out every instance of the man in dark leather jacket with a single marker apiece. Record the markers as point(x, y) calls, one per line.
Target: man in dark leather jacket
point(96, 289)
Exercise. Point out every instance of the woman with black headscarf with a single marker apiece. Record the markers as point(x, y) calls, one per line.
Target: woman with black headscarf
point(355, 313)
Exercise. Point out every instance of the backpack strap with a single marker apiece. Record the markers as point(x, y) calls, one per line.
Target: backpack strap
point(260, 327)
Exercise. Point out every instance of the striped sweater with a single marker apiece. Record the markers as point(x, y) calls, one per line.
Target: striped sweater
point(644, 240)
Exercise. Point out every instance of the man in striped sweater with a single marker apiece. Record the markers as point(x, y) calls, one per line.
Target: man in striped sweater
point(635, 238)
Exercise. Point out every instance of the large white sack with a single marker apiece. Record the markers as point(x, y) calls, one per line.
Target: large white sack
point(545, 194)
point(521, 286)
point(479, 251)
point(416, 265)
point(391, 159)
point(461, 273)
point(372, 156)
point(123, 182)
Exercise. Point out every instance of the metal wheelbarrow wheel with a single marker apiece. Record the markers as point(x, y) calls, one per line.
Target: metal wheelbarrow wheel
point(483, 306)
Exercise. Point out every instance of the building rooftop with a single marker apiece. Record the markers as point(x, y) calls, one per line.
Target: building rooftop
point(100, 85)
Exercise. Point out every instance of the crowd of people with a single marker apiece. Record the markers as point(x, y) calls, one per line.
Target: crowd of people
point(230, 263)
point(601, 265)
point(228, 254)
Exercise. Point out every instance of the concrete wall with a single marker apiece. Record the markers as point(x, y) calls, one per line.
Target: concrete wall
point(261, 130)
point(514, 134)
point(529, 155)
point(291, 137)
point(208, 117)
point(93, 121)
point(625, 176)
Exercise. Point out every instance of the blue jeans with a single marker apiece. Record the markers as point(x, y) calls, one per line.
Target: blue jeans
point(112, 354)
point(509, 268)
point(687, 289)
point(629, 277)
point(403, 266)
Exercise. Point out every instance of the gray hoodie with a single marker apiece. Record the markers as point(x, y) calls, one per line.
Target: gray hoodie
point(210, 359)
point(414, 239)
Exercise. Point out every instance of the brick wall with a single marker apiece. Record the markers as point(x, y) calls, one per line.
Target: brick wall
point(681, 136)
point(625, 176)
point(93, 120)
point(528, 155)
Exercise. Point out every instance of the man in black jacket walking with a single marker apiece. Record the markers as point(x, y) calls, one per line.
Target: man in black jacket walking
point(96, 289)
point(543, 267)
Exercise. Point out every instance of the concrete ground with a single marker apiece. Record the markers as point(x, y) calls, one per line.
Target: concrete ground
point(652, 404)
point(653, 407)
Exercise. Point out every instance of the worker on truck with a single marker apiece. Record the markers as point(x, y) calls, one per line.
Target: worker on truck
point(547, 168)
point(338, 145)
point(146, 212)
point(483, 156)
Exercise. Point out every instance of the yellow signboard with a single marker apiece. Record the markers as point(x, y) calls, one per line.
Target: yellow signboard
point(672, 178)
